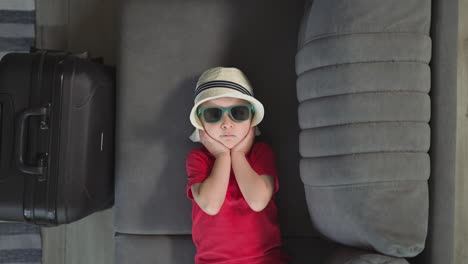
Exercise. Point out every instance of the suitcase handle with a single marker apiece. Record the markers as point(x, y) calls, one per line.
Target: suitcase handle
point(20, 140)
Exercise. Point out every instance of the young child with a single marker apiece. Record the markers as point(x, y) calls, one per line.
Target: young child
point(232, 179)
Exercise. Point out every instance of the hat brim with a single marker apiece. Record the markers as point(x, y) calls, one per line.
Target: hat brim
point(214, 93)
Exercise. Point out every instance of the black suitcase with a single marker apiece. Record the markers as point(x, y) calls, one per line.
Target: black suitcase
point(56, 137)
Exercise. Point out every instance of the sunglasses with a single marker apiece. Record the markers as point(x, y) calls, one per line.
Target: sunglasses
point(214, 114)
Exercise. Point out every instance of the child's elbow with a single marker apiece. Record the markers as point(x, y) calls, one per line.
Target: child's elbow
point(208, 208)
point(258, 207)
point(261, 203)
point(210, 211)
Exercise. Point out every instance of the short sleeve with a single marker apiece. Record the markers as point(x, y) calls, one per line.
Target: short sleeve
point(198, 169)
point(263, 162)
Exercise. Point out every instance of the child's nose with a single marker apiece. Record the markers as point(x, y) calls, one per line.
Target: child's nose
point(227, 121)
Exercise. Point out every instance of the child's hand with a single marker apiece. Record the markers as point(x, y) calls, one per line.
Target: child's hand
point(245, 144)
point(214, 147)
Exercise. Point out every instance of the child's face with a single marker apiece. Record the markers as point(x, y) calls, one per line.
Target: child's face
point(226, 131)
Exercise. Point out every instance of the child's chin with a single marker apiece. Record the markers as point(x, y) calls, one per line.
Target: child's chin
point(229, 144)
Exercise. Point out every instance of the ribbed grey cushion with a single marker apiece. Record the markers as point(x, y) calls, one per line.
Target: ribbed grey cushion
point(363, 77)
point(365, 168)
point(365, 214)
point(363, 83)
point(364, 107)
point(348, 255)
point(365, 138)
point(330, 17)
point(359, 48)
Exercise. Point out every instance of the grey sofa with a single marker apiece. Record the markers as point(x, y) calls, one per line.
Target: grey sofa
point(164, 47)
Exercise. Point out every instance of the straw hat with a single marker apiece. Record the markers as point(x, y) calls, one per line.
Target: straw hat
point(223, 82)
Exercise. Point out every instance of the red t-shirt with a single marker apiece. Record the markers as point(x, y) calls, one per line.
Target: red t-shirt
point(237, 234)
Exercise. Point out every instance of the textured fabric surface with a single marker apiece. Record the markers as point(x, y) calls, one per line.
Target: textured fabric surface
point(17, 25)
point(364, 107)
point(137, 249)
point(364, 138)
point(363, 84)
point(364, 215)
point(20, 243)
point(360, 48)
point(362, 78)
point(338, 17)
point(349, 255)
point(164, 47)
point(446, 114)
point(365, 168)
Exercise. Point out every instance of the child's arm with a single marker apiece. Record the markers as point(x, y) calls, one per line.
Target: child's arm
point(256, 189)
point(210, 193)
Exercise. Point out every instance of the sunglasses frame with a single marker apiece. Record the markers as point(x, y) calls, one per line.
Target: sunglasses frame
point(228, 109)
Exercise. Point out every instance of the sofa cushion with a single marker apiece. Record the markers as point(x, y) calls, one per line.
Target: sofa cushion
point(179, 249)
point(164, 47)
point(364, 77)
point(349, 255)
point(365, 137)
point(364, 107)
point(359, 48)
point(332, 17)
point(363, 83)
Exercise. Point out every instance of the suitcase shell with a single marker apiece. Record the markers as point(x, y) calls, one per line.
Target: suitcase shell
point(57, 137)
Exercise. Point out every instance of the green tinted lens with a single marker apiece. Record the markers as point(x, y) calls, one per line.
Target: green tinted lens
point(240, 113)
point(212, 115)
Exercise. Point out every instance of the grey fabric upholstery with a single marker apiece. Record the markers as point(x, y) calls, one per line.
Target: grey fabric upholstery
point(364, 215)
point(444, 181)
point(360, 48)
point(363, 16)
point(363, 107)
point(347, 255)
point(364, 167)
point(364, 77)
point(363, 83)
point(365, 137)
point(137, 249)
point(164, 47)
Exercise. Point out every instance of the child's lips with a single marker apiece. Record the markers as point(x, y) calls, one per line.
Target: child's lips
point(228, 135)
